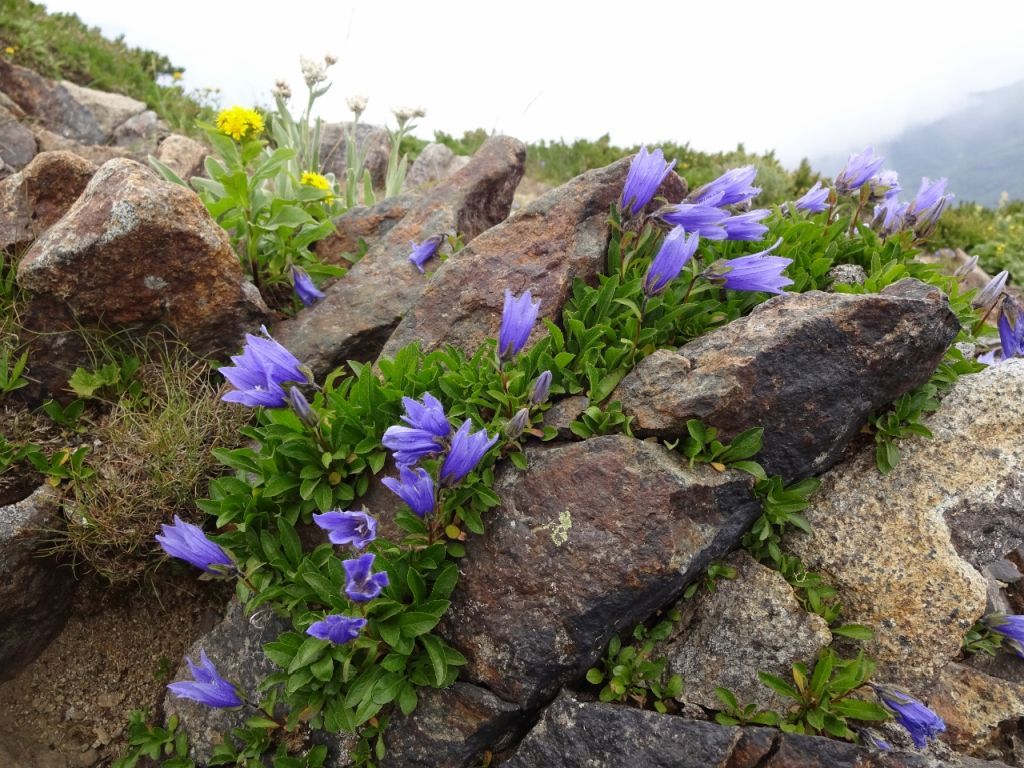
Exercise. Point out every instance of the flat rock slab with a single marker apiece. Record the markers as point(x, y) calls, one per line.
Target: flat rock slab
point(51, 103)
point(235, 646)
point(809, 368)
point(542, 248)
point(450, 728)
point(134, 251)
point(361, 310)
point(35, 592)
point(749, 624)
point(592, 539)
point(17, 142)
point(979, 711)
point(574, 734)
point(36, 197)
point(903, 549)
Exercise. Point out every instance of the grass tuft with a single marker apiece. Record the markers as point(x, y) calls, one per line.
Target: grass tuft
point(152, 458)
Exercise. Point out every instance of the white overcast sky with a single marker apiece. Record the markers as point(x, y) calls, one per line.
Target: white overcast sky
point(804, 78)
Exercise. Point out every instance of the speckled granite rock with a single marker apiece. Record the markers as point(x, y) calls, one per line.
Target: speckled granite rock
point(900, 547)
point(983, 714)
point(749, 624)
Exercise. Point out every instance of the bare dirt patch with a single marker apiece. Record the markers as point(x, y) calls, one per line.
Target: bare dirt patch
point(69, 707)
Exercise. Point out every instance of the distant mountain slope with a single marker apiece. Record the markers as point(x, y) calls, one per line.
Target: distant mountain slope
point(980, 148)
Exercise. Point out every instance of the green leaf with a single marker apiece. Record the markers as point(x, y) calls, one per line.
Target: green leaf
point(407, 699)
point(416, 623)
point(727, 697)
point(778, 685)
point(308, 652)
point(858, 709)
point(288, 216)
point(435, 653)
point(854, 632)
point(744, 446)
point(821, 675)
point(595, 676)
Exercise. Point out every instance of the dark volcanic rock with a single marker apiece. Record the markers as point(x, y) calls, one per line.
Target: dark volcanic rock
point(806, 367)
point(362, 223)
point(449, 728)
point(590, 540)
point(235, 646)
point(35, 592)
point(17, 142)
point(542, 248)
point(359, 312)
point(574, 734)
point(134, 251)
point(50, 102)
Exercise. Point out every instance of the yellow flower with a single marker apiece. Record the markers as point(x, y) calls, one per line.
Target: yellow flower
point(176, 75)
point(10, 50)
point(317, 181)
point(240, 122)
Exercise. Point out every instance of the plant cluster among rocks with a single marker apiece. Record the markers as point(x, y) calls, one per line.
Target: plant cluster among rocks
point(661, 496)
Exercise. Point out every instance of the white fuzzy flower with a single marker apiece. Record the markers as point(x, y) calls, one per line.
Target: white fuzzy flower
point(313, 72)
point(357, 104)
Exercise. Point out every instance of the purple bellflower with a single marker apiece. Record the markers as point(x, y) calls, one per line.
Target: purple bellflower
point(746, 226)
point(361, 584)
point(989, 295)
point(1011, 627)
point(859, 168)
point(928, 195)
point(207, 686)
point(466, 451)
point(676, 250)
point(989, 358)
point(920, 721)
point(515, 426)
point(730, 188)
point(428, 416)
point(259, 373)
point(415, 487)
point(300, 405)
point(348, 527)
point(409, 445)
point(188, 542)
point(815, 200)
point(305, 288)
point(425, 251)
point(873, 739)
point(1011, 331)
point(541, 388)
point(890, 215)
point(646, 173)
point(756, 272)
point(705, 220)
point(336, 628)
point(885, 183)
point(517, 319)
